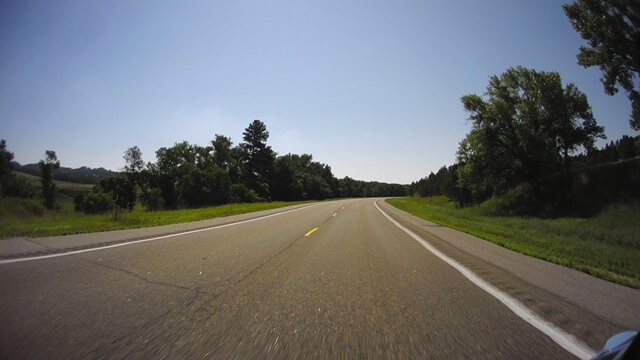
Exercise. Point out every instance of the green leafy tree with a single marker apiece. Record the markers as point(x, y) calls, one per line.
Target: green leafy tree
point(440, 183)
point(258, 156)
point(122, 194)
point(133, 161)
point(134, 165)
point(189, 175)
point(47, 167)
point(6, 174)
point(298, 177)
point(222, 151)
point(171, 168)
point(236, 164)
point(10, 184)
point(612, 29)
point(287, 178)
point(524, 131)
point(202, 187)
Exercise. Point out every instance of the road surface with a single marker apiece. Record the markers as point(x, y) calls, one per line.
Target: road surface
point(332, 279)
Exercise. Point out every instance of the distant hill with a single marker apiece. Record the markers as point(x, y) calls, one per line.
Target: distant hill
point(83, 175)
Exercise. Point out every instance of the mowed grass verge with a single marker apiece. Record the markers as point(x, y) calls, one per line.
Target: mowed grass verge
point(19, 217)
point(606, 246)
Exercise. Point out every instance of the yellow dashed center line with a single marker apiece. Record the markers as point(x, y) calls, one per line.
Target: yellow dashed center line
point(315, 229)
point(311, 232)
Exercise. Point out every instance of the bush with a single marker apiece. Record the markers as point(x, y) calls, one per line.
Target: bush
point(78, 202)
point(97, 202)
point(19, 208)
point(17, 187)
point(597, 187)
point(153, 200)
point(22, 188)
point(516, 202)
point(34, 207)
point(242, 194)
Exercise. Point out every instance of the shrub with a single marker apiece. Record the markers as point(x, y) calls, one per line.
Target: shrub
point(34, 207)
point(96, 202)
point(242, 194)
point(153, 200)
point(517, 201)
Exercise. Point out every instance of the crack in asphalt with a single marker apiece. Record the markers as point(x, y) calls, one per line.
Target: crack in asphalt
point(33, 242)
point(149, 281)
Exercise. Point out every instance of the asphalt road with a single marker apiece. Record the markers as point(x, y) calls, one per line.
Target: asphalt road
point(271, 287)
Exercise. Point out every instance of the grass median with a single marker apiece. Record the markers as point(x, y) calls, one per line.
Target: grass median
point(19, 217)
point(606, 246)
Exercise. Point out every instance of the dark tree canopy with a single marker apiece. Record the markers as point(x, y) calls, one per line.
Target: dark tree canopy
point(6, 157)
point(222, 151)
point(255, 136)
point(6, 175)
point(121, 191)
point(10, 184)
point(298, 177)
point(258, 158)
point(612, 29)
point(47, 167)
point(524, 130)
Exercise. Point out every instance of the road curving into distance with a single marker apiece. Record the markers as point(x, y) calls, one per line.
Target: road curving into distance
point(340, 278)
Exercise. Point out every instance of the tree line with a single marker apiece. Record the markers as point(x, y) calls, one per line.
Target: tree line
point(445, 180)
point(190, 176)
point(531, 145)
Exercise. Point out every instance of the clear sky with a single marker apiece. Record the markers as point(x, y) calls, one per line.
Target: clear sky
point(371, 88)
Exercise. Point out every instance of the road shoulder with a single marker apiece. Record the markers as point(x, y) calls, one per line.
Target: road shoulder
point(592, 308)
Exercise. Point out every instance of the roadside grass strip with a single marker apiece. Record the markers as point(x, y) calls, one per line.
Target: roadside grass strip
point(606, 246)
point(16, 221)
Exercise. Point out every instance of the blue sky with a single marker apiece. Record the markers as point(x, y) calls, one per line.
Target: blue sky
point(371, 88)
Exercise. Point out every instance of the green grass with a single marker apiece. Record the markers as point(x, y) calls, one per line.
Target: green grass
point(66, 190)
point(22, 217)
point(61, 185)
point(606, 246)
point(27, 217)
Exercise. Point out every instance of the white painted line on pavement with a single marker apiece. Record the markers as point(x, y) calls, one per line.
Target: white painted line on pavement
point(565, 340)
point(9, 261)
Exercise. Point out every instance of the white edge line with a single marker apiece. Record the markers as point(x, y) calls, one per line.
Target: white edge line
point(565, 340)
point(9, 261)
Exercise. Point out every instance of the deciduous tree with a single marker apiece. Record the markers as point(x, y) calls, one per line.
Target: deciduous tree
point(222, 151)
point(6, 175)
point(47, 167)
point(612, 29)
point(524, 130)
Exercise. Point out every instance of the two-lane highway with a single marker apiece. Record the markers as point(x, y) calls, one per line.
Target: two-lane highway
point(331, 279)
